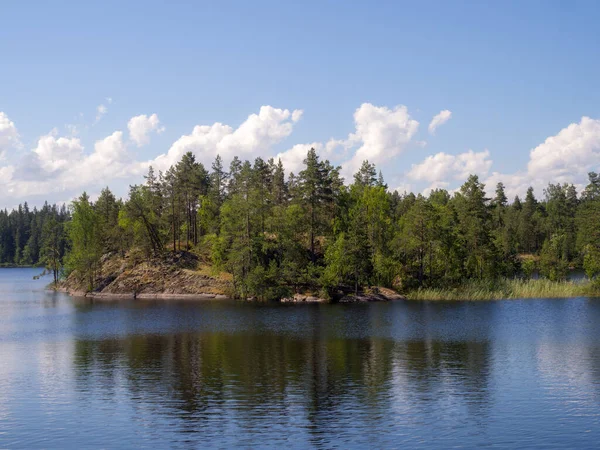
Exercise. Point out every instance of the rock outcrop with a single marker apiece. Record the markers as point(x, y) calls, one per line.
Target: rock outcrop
point(177, 276)
point(373, 294)
point(183, 275)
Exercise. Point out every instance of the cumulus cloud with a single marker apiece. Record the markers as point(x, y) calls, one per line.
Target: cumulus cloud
point(514, 183)
point(566, 157)
point(6, 174)
point(403, 188)
point(381, 134)
point(257, 134)
point(439, 119)
point(57, 153)
point(141, 126)
point(439, 168)
point(293, 159)
point(9, 137)
point(575, 150)
point(59, 164)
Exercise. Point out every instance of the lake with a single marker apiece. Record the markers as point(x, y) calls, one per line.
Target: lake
point(80, 373)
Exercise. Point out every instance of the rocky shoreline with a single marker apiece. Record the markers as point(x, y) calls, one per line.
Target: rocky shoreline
point(145, 296)
point(179, 276)
point(296, 299)
point(377, 294)
point(183, 276)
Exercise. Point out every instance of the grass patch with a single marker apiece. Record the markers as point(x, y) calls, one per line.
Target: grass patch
point(509, 289)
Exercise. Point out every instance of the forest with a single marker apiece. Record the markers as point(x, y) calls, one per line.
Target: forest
point(277, 233)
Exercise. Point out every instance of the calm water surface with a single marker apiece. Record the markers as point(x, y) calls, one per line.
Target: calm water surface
point(76, 373)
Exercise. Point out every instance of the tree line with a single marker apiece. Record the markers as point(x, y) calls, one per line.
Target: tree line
point(311, 231)
point(32, 237)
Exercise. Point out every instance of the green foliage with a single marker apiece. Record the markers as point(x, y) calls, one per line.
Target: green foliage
point(85, 239)
point(528, 267)
point(22, 233)
point(591, 261)
point(53, 247)
point(553, 264)
point(140, 219)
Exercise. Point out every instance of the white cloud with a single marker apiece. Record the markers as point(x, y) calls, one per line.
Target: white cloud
point(403, 188)
point(59, 164)
point(293, 159)
point(381, 133)
point(574, 151)
point(439, 119)
point(436, 185)
point(6, 174)
point(566, 157)
point(57, 153)
point(110, 159)
point(141, 126)
point(514, 184)
point(257, 134)
point(9, 137)
point(439, 168)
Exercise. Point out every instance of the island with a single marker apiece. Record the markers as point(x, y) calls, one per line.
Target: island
point(257, 232)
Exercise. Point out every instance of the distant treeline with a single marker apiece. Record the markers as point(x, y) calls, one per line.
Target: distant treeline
point(23, 233)
point(311, 231)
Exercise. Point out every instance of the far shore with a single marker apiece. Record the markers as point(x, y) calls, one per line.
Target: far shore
point(20, 266)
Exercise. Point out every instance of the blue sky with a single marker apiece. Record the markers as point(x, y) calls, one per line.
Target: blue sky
point(512, 74)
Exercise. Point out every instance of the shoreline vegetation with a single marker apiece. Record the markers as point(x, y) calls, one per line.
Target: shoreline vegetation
point(184, 276)
point(509, 289)
point(146, 284)
point(255, 231)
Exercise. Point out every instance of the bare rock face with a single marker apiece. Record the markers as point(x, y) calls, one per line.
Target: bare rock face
point(175, 276)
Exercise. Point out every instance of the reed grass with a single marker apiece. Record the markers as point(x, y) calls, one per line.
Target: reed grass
point(509, 288)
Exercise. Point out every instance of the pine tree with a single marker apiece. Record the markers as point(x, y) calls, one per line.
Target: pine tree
point(366, 175)
point(314, 193)
point(529, 227)
point(474, 229)
point(107, 210)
